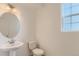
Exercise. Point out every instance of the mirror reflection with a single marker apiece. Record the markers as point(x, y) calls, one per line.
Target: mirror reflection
point(9, 25)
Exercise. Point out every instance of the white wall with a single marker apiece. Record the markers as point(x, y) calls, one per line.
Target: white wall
point(43, 22)
point(49, 35)
point(28, 12)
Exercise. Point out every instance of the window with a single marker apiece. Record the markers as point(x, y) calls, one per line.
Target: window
point(70, 17)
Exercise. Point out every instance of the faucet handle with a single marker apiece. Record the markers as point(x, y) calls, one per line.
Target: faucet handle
point(11, 41)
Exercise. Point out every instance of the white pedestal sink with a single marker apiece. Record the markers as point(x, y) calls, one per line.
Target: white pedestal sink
point(11, 47)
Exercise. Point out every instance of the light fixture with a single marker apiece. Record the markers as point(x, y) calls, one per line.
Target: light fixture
point(12, 9)
point(8, 8)
point(11, 6)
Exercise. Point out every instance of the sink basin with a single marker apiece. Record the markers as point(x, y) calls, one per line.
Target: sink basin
point(11, 47)
point(8, 46)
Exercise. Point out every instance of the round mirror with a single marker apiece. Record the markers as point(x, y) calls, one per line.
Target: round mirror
point(9, 25)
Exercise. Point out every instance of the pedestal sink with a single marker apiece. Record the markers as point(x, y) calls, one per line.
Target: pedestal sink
point(11, 47)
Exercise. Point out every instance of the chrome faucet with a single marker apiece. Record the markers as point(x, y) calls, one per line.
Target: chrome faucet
point(11, 41)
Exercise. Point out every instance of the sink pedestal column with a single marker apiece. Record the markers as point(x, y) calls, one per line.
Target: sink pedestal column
point(12, 53)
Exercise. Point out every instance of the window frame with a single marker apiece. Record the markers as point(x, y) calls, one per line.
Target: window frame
point(71, 21)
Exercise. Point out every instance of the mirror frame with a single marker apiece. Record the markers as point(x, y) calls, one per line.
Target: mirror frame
point(18, 17)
